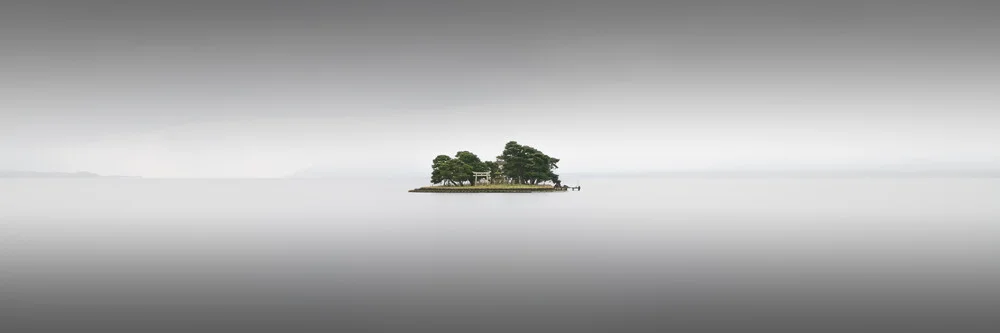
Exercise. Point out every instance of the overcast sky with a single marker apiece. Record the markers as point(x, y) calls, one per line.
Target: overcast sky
point(213, 88)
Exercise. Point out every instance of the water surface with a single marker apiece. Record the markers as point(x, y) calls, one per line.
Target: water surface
point(916, 253)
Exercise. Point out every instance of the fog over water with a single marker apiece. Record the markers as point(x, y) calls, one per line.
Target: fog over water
point(265, 88)
point(623, 253)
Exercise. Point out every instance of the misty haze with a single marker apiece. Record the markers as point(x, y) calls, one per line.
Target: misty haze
point(223, 165)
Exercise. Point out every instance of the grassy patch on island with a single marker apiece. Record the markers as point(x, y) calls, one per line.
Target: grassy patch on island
point(488, 186)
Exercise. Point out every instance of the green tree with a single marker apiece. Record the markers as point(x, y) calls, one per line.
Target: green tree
point(474, 164)
point(514, 161)
point(494, 169)
point(439, 173)
point(527, 165)
point(456, 171)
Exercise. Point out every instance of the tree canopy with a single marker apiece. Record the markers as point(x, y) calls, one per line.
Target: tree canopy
point(516, 164)
point(527, 165)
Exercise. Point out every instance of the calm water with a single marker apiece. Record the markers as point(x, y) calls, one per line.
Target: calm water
point(622, 253)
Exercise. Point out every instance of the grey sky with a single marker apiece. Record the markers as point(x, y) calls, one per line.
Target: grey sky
point(265, 88)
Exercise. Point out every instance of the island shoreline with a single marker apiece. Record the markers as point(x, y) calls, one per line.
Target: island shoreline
point(476, 189)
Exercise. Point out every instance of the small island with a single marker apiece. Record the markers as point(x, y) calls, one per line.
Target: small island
point(518, 169)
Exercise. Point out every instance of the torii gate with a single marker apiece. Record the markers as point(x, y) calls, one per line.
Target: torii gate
point(476, 175)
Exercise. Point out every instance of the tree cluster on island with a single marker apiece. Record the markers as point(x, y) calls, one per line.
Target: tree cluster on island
point(517, 164)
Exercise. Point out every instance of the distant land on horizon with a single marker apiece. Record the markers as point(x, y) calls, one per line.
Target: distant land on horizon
point(38, 174)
